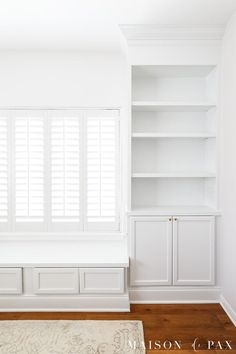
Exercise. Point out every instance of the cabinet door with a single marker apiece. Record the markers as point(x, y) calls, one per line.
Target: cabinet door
point(102, 280)
point(194, 250)
point(151, 251)
point(10, 281)
point(56, 280)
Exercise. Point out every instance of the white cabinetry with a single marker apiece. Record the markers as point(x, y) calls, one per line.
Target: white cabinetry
point(173, 194)
point(193, 250)
point(151, 251)
point(82, 275)
point(174, 133)
point(155, 239)
point(102, 280)
point(10, 281)
point(56, 280)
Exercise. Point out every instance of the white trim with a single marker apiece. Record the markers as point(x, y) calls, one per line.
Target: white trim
point(175, 295)
point(71, 303)
point(171, 32)
point(228, 309)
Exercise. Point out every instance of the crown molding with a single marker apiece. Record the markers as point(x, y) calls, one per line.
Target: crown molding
point(142, 33)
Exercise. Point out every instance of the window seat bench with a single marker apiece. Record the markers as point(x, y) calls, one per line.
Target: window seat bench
point(81, 275)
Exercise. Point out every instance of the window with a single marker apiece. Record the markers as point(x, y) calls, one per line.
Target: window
point(59, 170)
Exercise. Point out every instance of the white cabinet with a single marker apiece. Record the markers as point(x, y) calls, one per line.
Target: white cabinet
point(189, 241)
point(10, 280)
point(151, 251)
point(173, 137)
point(102, 280)
point(194, 251)
point(78, 280)
point(56, 280)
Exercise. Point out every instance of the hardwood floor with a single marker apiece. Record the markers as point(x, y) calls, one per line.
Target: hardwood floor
point(165, 323)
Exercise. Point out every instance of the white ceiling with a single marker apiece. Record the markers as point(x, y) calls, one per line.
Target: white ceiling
point(93, 24)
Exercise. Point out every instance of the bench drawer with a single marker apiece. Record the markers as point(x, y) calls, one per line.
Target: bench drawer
point(10, 281)
point(56, 280)
point(102, 280)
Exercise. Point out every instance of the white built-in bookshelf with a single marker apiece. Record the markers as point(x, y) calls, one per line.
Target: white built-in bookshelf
point(174, 133)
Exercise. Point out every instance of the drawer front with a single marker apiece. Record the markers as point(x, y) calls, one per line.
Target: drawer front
point(56, 280)
point(10, 281)
point(102, 280)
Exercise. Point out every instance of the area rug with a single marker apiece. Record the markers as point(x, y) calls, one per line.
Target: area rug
point(71, 337)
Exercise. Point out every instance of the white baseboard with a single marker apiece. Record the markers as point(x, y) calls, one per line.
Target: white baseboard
point(175, 295)
point(166, 295)
point(30, 303)
point(228, 309)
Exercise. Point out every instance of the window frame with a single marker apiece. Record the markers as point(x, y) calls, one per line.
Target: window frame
point(11, 226)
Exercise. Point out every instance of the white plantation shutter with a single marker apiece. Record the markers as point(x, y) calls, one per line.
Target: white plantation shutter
point(65, 168)
point(102, 170)
point(3, 170)
point(59, 170)
point(29, 168)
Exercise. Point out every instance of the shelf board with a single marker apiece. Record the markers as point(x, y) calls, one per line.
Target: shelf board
point(174, 135)
point(174, 210)
point(173, 71)
point(172, 106)
point(175, 175)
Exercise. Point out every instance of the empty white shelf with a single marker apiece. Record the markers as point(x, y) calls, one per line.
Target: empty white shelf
point(172, 106)
point(175, 175)
point(174, 135)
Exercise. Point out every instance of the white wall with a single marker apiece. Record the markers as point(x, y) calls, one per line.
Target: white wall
point(62, 79)
point(228, 167)
point(67, 79)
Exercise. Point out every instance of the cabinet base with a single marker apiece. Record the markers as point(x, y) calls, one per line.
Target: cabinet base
point(174, 295)
point(29, 303)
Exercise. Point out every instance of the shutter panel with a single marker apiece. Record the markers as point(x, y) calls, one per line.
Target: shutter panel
point(102, 170)
point(65, 169)
point(59, 170)
point(3, 170)
point(29, 168)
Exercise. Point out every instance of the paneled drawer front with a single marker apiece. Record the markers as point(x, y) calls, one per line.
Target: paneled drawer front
point(10, 281)
point(102, 280)
point(56, 280)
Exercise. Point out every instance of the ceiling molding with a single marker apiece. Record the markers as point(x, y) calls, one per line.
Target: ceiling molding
point(136, 33)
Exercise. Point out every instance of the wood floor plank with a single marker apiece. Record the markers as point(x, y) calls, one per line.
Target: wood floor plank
point(183, 323)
